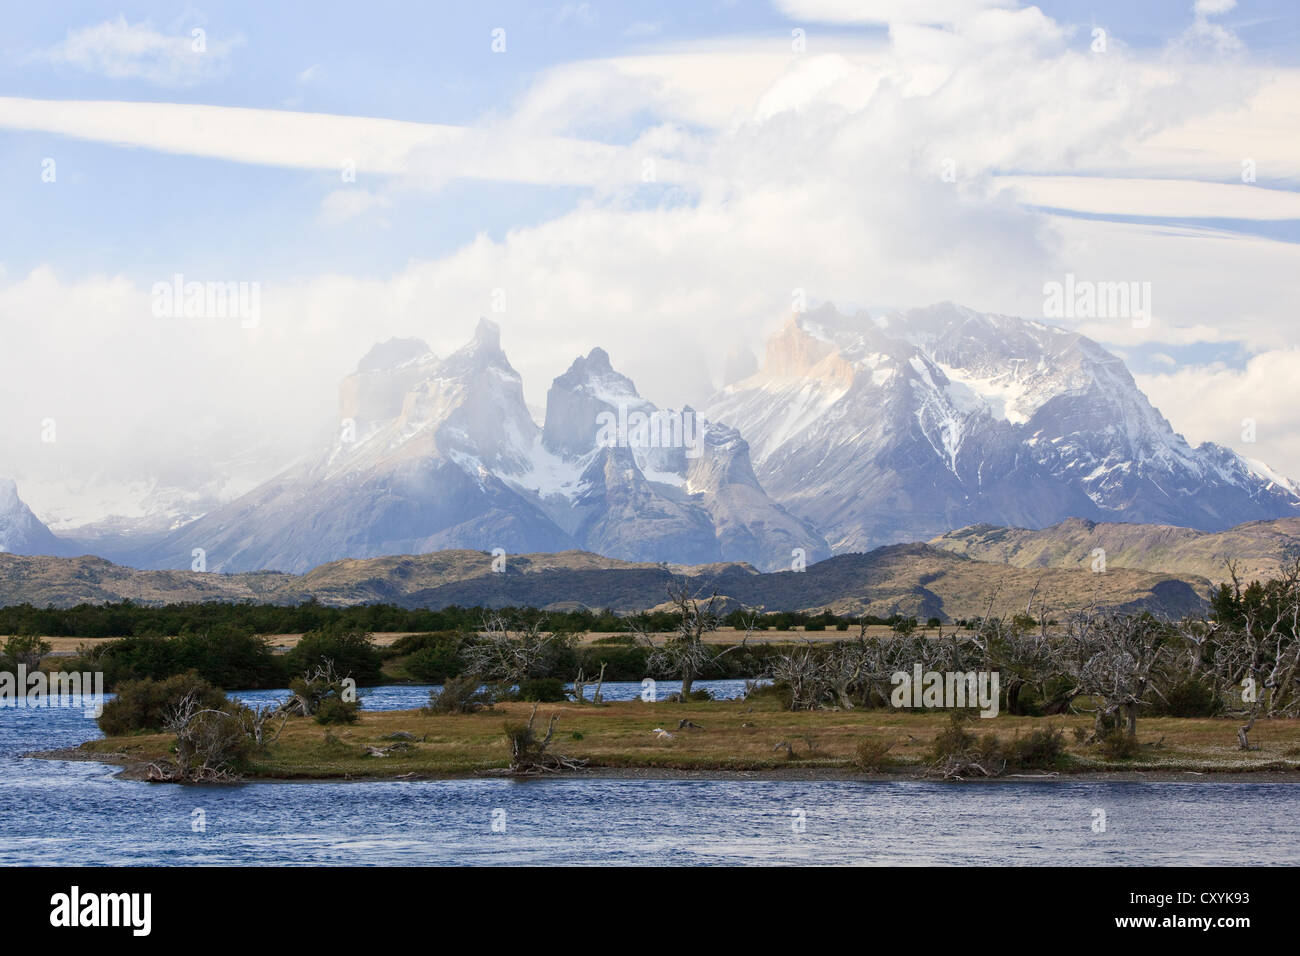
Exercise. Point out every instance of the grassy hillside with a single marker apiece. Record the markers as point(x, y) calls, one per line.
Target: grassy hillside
point(911, 580)
point(1260, 548)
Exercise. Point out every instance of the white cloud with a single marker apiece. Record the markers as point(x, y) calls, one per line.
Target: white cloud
point(1209, 8)
point(579, 13)
point(1166, 198)
point(431, 153)
point(1215, 403)
point(120, 50)
point(886, 11)
point(821, 172)
point(1206, 285)
point(347, 203)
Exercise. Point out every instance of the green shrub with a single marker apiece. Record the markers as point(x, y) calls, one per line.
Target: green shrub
point(622, 661)
point(547, 690)
point(336, 710)
point(229, 656)
point(144, 705)
point(954, 740)
point(1189, 698)
point(872, 755)
point(144, 657)
point(1118, 745)
point(23, 649)
point(224, 655)
point(614, 639)
point(700, 695)
point(351, 651)
point(436, 658)
point(1039, 749)
point(459, 695)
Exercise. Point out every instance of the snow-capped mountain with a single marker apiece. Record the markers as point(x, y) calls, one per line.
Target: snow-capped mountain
point(898, 429)
point(660, 484)
point(443, 453)
point(21, 532)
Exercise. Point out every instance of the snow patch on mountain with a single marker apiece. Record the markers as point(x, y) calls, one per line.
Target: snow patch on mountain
point(889, 428)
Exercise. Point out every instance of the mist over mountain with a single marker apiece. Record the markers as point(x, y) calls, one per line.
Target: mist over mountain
point(443, 453)
point(923, 421)
point(853, 433)
point(21, 532)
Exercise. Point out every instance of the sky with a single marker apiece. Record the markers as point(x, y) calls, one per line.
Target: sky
point(659, 179)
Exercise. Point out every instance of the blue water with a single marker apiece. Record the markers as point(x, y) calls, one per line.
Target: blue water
point(63, 812)
point(411, 696)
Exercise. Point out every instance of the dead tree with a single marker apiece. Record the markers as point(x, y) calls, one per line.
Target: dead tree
point(580, 686)
point(509, 652)
point(1114, 658)
point(310, 690)
point(805, 673)
point(685, 653)
point(531, 755)
point(1257, 655)
point(209, 743)
point(254, 721)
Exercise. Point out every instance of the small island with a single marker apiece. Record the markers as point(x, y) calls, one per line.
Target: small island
point(755, 736)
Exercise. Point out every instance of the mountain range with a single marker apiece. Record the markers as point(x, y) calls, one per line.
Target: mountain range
point(854, 432)
point(910, 579)
point(938, 418)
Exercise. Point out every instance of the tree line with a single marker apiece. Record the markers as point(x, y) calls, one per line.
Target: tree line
point(130, 619)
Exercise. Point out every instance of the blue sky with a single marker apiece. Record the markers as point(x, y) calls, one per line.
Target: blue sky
point(121, 209)
point(775, 168)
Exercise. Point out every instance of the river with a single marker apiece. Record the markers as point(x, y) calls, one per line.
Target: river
point(79, 813)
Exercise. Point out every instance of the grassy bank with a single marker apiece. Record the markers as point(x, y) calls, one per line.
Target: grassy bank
point(732, 736)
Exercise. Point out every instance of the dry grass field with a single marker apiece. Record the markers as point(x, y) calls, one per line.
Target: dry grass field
point(732, 736)
point(725, 635)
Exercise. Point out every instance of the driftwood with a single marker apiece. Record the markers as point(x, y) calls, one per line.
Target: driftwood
point(529, 755)
point(960, 767)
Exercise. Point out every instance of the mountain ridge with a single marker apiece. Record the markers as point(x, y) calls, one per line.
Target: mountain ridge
point(911, 579)
point(856, 431)
point(907, 426)
point(1258, 549)
point(443, 453)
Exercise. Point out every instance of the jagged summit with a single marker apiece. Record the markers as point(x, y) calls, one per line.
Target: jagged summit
point(394, 354)
point(855, 431)
point(487, 336)
point(928, 419)
point(21, 532)
point(445, 454)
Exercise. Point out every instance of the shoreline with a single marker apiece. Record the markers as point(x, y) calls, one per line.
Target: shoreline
point(134, 769)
